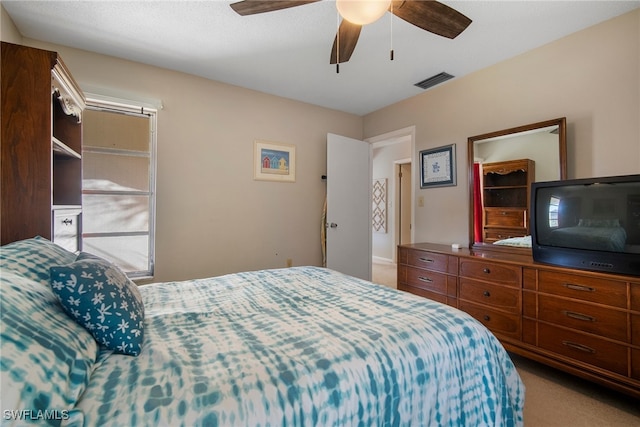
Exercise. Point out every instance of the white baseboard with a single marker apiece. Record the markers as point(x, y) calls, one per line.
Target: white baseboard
point(382, 260)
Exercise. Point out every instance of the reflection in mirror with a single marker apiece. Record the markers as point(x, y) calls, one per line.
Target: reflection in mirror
point(502, 166)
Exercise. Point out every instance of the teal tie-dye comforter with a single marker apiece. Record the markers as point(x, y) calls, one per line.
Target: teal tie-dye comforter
point(302, 346)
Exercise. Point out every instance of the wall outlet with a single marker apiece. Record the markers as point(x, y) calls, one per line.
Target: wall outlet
point(289, 262)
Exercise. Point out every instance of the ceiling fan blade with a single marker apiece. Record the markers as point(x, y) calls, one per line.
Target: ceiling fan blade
point(347, 38)
point(432, 16)
point(251, 7)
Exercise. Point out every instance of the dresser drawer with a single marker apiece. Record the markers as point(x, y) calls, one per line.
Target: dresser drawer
point(66, 228)
point(432, 261)
point(492, 272)
point(430, 280)
point(434, 296)
point(585, 317)
point(494, 234)
point(496, 296)
point(609, 292)
point(498, 322)
point(500, 217)
point(588, 349)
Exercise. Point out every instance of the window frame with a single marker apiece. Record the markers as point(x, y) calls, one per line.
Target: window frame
point(138, 109)
point(554, 211)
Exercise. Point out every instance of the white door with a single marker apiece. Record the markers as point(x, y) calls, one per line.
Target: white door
point(349, 206)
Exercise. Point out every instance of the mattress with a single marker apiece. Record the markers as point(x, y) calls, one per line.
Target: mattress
point(611, 239)
point(302, 346)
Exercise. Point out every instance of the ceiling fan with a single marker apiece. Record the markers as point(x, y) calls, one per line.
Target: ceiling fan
point(429, 15)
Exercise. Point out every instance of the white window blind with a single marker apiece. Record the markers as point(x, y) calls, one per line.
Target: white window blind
point(118, 184)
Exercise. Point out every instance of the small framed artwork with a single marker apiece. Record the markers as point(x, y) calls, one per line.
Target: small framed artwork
point(274, 161)
point(438, 167)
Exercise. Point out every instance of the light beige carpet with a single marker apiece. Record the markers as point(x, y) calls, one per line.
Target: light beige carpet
point(553, 398)
point(384, 273)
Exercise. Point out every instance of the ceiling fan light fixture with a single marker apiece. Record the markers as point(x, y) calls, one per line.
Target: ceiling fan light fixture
point(362, 12)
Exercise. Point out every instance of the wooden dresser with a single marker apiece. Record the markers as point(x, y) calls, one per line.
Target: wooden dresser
point(582, 322)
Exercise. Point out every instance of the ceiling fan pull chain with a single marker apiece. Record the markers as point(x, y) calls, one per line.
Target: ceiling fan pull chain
point(338, 42)
point(391, 30)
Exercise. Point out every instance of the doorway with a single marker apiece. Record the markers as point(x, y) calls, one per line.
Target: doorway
point(391, 161)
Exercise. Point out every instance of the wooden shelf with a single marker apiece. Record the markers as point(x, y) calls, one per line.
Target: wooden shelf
point(62, 149)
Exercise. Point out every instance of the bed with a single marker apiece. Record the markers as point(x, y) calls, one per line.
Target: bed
point(606, 235)
point(517, 242)
point(303, 346)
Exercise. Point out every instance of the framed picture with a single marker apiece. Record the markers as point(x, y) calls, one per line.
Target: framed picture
point(438, 167)
point(274, 161)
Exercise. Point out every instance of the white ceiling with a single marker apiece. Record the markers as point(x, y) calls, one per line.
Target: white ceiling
point(286, 53)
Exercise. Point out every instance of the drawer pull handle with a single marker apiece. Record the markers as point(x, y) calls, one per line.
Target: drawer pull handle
point(426, 260)
point(578, 287)
point(67, 221)
point(486, 294)
point(580, 347)
point(486, 270)
point(425, 279)
point(579, 316)
point(486, 317)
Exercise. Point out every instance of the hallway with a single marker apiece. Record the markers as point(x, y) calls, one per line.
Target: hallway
point(384, 273)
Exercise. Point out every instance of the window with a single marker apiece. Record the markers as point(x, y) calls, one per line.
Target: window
point(118, 184)
point(554, 207)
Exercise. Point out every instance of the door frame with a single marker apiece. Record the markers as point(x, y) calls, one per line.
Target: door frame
point(400, 204)
point(396, 137)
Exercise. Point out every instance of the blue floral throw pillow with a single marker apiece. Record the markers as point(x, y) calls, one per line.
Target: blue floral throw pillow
point(101, 298)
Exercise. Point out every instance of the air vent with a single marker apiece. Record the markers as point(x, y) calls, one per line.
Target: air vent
point(434, 80)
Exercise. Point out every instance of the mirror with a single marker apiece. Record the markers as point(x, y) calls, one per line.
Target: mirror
point(502, 166)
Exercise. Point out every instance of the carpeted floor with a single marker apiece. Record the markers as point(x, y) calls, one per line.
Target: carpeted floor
point(554, 398)
point(384, 273)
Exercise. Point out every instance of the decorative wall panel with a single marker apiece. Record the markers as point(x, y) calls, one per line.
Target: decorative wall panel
point(379, 205)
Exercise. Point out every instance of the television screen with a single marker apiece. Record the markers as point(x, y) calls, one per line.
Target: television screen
point(589, 223)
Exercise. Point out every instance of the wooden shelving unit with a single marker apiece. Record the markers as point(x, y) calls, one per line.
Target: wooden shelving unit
point(42, 109)
point(505, 197)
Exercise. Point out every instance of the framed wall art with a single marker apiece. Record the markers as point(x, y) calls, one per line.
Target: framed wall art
point(438, 167)
point(274, 161)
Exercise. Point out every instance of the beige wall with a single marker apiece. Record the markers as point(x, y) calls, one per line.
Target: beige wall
point(541, 147)
point(592, 77)
point(212, 217)
point(8, 31)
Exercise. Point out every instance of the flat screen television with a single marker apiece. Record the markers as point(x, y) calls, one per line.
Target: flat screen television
point(591, 223)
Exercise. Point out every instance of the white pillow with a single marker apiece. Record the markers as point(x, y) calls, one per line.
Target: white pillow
point(47, 358)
